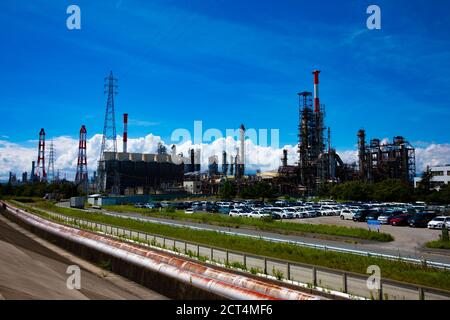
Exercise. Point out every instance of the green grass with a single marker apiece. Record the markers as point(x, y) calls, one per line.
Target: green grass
point(395, 270)
point(438, 244)
point(275, 226)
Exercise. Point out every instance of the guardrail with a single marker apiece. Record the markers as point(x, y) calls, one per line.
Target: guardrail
point(434, 264)
point(304, 274)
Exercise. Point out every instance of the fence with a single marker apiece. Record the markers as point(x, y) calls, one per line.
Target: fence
point(312, 276)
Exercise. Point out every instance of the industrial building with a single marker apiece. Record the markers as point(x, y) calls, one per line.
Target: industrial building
point(138, 173)
point(378, 161)
point(440, 175)
point(318, 162)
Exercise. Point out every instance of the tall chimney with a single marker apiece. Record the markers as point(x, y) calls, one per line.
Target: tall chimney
point(33, 171)
point(242, 150)
point(192, 160)
point(224, 163)
point(284, 160)
point(362, 153)
point(316, 91)
point(125, 132)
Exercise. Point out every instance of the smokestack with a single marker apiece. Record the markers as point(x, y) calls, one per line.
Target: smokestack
point(231, 165)
point(33, 168)
point(224, 163)
point(361, 152)
point(284, 160)
point(237, 166)
point(316, 91)
point(125, 132)
point(192, 160)
point(41, 157)
point(242, 150)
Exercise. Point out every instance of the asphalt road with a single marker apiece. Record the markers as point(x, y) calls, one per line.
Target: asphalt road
point(32, 268)
point(408, 243)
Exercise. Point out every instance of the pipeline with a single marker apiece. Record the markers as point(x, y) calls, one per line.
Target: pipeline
point(221, 283)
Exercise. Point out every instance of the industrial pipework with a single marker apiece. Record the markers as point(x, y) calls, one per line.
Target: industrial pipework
point(217, 281)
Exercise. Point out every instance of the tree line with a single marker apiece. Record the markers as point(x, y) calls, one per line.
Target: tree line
point(62, 189)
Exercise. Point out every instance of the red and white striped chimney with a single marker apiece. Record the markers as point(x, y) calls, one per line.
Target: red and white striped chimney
point(125, 132)
point(316, 91)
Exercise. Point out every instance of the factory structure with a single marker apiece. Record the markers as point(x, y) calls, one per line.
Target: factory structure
point(167, 171)
point(378, 161)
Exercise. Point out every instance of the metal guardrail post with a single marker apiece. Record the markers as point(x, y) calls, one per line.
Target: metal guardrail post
point(421, 293)
point(212, 253)
point(314, 276)
point(380, 291)
point(198, 250)
point(245, 260)
point(344, 283)
point(226, 254)
point(265, 265)
point(288, 266)
point(185, 247)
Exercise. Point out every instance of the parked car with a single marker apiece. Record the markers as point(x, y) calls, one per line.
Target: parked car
point(360, 216)
point(224, 210)
point(258, 214)
point(420, 220)
point(276, 215)
point(386, 217)
point(139, 205)
point(237, 213)
point(439, 222)
point(400, 220)
point(372, 215)
point(151, 205)
point(189, 211)
point(347, 214)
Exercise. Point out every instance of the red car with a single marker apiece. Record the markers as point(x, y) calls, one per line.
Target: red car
point(400, 220)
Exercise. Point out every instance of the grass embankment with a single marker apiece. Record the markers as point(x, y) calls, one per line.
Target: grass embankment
point(438, 244)
point(261, 224)
point(395, 270)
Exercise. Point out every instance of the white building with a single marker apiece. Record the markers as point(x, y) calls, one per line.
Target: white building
point(441, 176)
point(193, 187)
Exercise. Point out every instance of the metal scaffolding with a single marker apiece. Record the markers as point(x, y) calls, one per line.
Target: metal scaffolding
point(379, 161)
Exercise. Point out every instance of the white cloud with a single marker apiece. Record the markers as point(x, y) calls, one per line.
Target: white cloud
point(17, 158)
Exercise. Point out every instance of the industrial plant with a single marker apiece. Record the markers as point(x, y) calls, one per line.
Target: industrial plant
point(162, 172)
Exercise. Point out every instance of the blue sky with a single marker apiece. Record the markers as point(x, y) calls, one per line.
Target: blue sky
point(226, 63)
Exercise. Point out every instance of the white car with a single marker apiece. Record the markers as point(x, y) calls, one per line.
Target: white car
point(438, 222)
point(326, 212)
point(237, 213)
point(257, 214)
point(347, 214)
point(189, 211)
point(309, 213)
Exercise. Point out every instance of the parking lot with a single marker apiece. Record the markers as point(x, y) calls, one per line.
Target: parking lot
point(405, 237)
point(409, 241)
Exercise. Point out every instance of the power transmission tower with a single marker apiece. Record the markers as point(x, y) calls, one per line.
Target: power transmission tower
point(81, 177)
point(51, 163)
point(109, 138)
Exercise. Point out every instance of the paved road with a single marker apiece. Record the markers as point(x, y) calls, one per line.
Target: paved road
point(404, 247)
point(31, 268)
